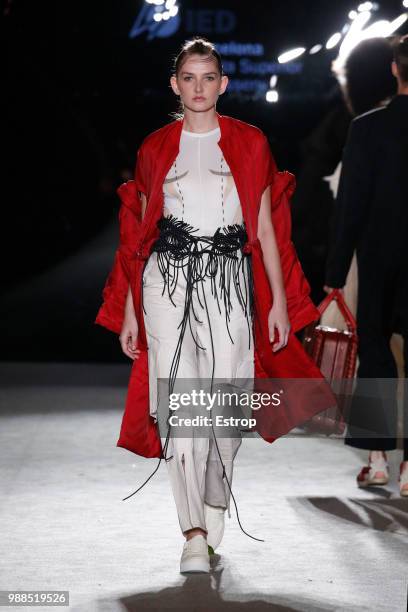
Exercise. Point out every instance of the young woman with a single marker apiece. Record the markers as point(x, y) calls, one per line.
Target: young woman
point(204, 288)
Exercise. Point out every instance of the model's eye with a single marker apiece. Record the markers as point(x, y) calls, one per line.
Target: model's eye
point(186, 78)
point(211, 78)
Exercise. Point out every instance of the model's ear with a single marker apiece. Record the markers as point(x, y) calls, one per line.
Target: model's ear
point(224, 84)
point(394, 68)
point(173, 84)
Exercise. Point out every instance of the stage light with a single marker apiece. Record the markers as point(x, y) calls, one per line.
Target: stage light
point(397, 23)
point(352, 14)
point(379, 28)
point(315, 49)
point(272, 95)
point(383, 28)
point(164, 15)
point(365, 6)
point(333, 40)
point(290, 55)
point(405, 3)
point(272, 81)
point(354, 35)
point(358, 33)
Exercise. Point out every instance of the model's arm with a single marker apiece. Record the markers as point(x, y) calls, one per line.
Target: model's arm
point(128, 335)
point(278, 316)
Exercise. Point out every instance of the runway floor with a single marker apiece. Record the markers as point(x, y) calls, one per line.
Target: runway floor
point(328, 546)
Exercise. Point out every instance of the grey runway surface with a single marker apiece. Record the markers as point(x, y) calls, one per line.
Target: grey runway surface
point(328, 546)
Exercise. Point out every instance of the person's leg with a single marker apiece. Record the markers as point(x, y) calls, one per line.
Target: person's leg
point(403, 309)
point(217, 492)
point(186, 468)
point(187, 476)
point(404, 463)
point(372, 419)
point(229, 362)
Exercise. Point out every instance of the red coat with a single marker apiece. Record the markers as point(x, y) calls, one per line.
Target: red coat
point(246, 151)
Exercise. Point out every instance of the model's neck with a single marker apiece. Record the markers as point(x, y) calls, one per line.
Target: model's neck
point(402, 89)
point(200, 122)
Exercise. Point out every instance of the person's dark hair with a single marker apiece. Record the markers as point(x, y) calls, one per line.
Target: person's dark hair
point(198, 45)
point(367, 75)
point(400, 47)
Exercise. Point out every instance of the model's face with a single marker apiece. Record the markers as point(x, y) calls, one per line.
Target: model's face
point(199, 83)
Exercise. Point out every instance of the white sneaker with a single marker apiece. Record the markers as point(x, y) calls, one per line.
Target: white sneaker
point(195, 557)
point(215, 523)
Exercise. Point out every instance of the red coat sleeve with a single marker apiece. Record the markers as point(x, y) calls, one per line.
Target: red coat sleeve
point(301, 309)
point(110, 314)
point(265, 165)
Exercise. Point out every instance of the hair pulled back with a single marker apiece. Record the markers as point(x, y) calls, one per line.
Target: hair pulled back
point(198, 45)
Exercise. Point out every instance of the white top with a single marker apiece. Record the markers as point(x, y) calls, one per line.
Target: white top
point(201, 178)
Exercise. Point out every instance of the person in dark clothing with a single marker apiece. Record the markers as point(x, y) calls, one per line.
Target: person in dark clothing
point(366, 81)
point(371, 216)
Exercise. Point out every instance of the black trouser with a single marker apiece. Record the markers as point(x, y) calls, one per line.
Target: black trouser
point(373, 422)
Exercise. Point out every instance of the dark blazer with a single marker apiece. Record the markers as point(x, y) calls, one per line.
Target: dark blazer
point(371, 213)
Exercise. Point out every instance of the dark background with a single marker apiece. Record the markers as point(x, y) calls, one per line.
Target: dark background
point(80, 96)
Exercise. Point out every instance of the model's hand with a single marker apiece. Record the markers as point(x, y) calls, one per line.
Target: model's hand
point(278, 319)
point(128, 336)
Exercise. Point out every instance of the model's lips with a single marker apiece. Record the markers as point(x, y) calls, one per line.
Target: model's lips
point(198, 98)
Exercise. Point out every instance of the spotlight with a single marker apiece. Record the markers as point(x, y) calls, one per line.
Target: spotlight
point(333, 40)
point(290, 55)
point(405, 3)
point(272, 81)
point(272, 95)
point(397, 23)
point(354, 35)
point(315, 49)
point(384, 28)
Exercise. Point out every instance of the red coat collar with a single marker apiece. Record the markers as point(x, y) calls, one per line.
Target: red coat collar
point(164, 146)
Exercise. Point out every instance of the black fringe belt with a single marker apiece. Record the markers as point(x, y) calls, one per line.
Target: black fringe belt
point(178, 249)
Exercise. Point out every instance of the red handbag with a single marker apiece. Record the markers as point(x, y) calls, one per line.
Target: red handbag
point(335, 353)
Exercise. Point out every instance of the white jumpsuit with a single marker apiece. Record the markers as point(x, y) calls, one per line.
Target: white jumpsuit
point(200, 190)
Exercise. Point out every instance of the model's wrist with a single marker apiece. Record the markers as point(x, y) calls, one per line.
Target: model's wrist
point(130, 312)
point(279, 300)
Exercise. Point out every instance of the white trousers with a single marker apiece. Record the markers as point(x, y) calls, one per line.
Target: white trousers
point(195, 470)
